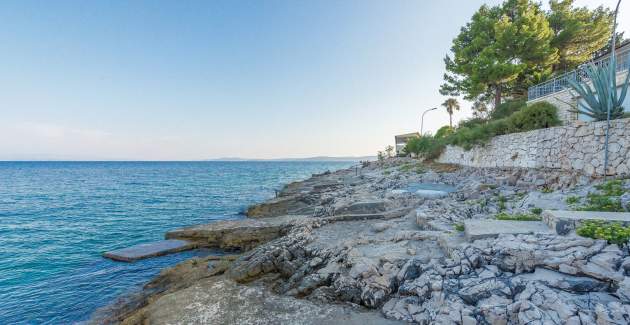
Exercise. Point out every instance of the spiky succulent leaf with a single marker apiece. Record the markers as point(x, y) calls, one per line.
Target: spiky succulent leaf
point(599, 91)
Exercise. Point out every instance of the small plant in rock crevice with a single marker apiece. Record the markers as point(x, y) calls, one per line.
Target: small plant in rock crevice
point(517, 217)
point(459, 227)
point(546, 190)
point(574, 199)
point(611, 188)
point(536, 211)
point(502, 200)
point(418, 168)
point(606, 199)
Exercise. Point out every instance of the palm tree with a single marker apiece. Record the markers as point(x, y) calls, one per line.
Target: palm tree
point(451, 106)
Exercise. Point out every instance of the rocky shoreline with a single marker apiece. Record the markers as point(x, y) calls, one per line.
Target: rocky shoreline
point(356, 246)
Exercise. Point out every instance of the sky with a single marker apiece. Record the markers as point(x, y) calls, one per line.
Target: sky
point(189, 80)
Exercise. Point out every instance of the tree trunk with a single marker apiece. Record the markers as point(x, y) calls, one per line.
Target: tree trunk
point(497, 95)
point(450, 120)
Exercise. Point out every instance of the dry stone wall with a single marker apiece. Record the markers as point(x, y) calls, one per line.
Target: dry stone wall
point(576, 147)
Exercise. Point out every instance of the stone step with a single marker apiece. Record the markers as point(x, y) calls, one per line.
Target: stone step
point(490, 228)
point(147, 250)
point(564, 222)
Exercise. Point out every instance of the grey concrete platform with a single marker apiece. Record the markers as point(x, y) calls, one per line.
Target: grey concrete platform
point(147, 250)
point(563, 222)
point(489, 228)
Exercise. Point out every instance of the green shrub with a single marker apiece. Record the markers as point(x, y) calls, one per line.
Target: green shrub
point(425, 146)
point(611, 188)
point(536, 116)
point(517, 217)
point(459, 227)
point(502, 201)
point(536, 211)
point(602, 202)
point(444, 132)
point(613, 232)
point(573, 200)
point(469, 137)
point(606, 200)
point(478, 131)
point(417, 167)
point(472, 122)
point(508, 108)
point(499, 127)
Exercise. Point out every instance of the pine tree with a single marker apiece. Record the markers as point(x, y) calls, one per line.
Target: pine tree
point(503, 49)
point(578, 32)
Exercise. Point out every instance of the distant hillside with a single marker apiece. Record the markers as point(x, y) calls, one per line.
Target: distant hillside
point(318, 158)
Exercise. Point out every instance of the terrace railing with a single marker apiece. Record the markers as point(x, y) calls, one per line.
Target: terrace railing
point(561, 82)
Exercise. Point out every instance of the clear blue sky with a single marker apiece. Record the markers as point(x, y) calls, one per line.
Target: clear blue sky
point(180, 80)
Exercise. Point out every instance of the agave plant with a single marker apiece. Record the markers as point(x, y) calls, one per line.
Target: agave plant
point(602, 90)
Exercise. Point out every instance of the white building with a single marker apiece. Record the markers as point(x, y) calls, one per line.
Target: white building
point(401, 141)
point(557, 90)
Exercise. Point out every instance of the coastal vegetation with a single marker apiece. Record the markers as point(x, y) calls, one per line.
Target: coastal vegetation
point(607, 198)
point(419, 168)
point(511, 117)
point(518, 217)
point(613, 232)
point(506, 48)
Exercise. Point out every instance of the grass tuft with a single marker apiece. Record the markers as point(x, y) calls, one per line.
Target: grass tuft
point(517, 217)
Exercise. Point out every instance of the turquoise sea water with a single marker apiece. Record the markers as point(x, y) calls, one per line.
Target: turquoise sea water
point(56, 218)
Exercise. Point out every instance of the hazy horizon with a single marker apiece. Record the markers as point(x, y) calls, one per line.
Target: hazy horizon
point(196, 80)
point(217, 159)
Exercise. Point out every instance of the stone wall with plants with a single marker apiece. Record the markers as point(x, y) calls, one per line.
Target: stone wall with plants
point(577, 147)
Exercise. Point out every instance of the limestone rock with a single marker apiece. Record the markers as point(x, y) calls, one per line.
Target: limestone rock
point(231, 234)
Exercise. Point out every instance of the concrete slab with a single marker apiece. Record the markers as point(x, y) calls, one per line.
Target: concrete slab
point(147, 250)
point(431, 194)
point(414, 187)
point(488, 228)
point(564, 222)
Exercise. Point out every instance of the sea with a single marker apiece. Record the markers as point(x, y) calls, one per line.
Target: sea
point(57, 218)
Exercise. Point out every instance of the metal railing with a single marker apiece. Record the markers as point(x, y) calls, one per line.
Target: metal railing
point(561, 82)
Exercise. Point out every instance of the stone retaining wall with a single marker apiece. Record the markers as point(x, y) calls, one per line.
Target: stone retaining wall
point(576, 147)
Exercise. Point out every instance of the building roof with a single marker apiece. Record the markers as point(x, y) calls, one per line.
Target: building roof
point(623, 44)
point(408, 135)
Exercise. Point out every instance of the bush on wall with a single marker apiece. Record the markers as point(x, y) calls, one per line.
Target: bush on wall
point(508, 108)
point(536, 116)
point(478, 132)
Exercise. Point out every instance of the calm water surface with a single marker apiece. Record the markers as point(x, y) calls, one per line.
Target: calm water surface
point(56, 218)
